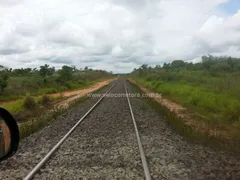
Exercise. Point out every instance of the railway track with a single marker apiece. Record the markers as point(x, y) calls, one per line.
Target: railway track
point(118, 138)
point(64, 138)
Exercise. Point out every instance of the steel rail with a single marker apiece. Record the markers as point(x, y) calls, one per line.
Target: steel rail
point(142, 154)
point(54, 149)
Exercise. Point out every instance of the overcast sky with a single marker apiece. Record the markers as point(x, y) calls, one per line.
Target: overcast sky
point(116, 35)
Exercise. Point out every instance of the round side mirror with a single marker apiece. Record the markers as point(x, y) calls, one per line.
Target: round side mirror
point(9, 135)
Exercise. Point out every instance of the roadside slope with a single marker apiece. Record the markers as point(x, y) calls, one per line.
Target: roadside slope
point(189, 123)
point(48, 114)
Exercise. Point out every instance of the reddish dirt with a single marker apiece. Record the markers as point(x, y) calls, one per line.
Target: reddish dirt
point(6, 135)
point(73, 95)
point(70, 93)
point(7, 102)
point(187, 117)
point(82, 91)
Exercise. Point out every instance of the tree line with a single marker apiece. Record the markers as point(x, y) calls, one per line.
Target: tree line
point(63, 76)
point(209, 63)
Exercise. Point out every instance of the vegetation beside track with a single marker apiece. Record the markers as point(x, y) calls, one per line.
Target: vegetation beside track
point(209, 91)
point(48, 115)
point(16, 83)
point(31, 94)
point(23, 91)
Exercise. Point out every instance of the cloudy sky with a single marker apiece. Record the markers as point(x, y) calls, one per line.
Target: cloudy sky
point(116, 35)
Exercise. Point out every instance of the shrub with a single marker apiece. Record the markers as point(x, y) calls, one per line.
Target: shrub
point(81, 82)
point(151, 77)
point(22, 116)
point(194, 98)
point(71, 85)
point(232, 111)
point(46, 100)
point(46, 91)
point(29, 103)
point(62, 88)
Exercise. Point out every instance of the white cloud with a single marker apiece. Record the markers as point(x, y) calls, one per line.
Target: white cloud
point(115, 35)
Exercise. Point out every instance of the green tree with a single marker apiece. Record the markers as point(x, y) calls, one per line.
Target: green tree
point(46, 70)
point(21, 72)
point(3, 80)
point(144, 66)
point(65, 74)
point(178, 64)
point(166, 66)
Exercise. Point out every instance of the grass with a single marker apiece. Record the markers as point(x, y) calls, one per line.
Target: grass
point(29, 127)
point(220, 108)
point(22, 113)
point(191, 134)
point(46, 118)
point(17, 105)
point(18, 87)
point(14, 107)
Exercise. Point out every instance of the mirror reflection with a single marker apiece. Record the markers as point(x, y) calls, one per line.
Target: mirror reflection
point(5, 138)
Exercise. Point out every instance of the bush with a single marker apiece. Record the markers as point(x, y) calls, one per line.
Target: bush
point(232, 111)
point(47, 91)
point(22, 116)
point(62, 88)
point(194, 98)
point(71, 85)
point(46, 100)
point(81, 82)
point(152, 77)
point(29, 103)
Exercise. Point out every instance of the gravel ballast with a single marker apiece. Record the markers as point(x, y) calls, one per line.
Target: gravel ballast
point(104, 146)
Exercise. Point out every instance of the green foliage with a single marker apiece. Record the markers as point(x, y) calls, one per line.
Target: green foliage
point(23, 72)
point(47, 91)
point(29, 103)
point(232, 111)
point(45, 80)
point(62, 88)
point(222, 63)
point(3, 80)
point(15, 107)
point(3, 85)
point(210, 87)
point(46, 70)
point(65, 74)
point(178, 64)
point(179, 125)
point(71, 85)
point(29, 127)
point(46, 100)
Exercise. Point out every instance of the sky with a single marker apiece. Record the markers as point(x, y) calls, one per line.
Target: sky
point(116, 35)
point(231, 7)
